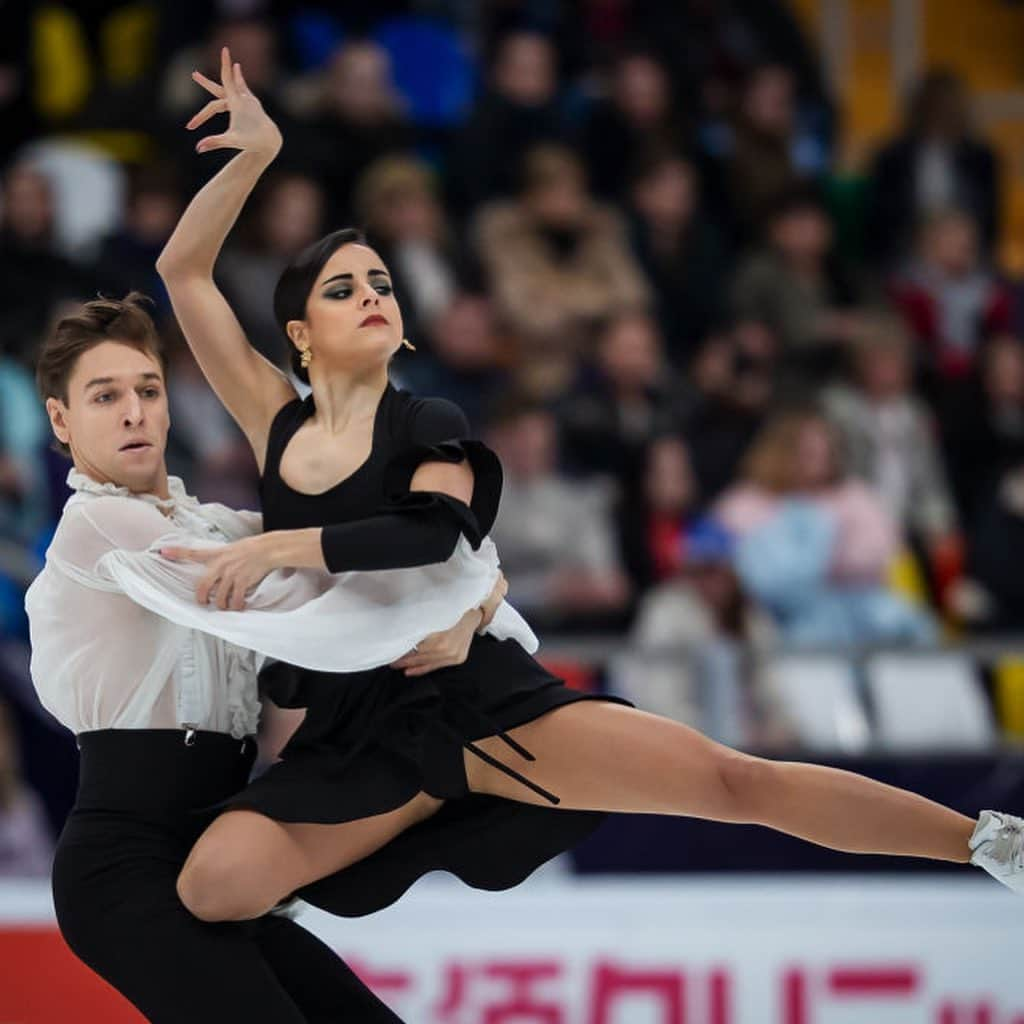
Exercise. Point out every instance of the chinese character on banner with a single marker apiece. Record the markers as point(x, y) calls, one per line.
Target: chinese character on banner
point(613, 984)
point(469, 993)
point(847, 983)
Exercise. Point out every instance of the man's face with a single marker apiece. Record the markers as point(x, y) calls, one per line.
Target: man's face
point(116, 418)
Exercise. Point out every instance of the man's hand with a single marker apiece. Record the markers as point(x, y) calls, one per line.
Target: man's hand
point(439, 650)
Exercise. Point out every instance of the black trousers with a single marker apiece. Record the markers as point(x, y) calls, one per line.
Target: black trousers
point(137, 815)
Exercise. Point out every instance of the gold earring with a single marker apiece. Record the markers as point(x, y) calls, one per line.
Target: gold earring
point(306, 358)
point(406, 343)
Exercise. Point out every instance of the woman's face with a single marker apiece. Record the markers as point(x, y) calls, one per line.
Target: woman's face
point(814, 457)
point(352, 317)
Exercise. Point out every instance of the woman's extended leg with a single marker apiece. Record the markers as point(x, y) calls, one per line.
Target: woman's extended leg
point(245, 862)
point(602, 756)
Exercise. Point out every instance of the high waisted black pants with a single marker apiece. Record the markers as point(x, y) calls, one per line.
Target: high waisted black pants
point(137, 814)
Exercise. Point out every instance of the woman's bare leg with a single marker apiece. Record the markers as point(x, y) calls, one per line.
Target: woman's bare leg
point(245, 862)
point(602, 756)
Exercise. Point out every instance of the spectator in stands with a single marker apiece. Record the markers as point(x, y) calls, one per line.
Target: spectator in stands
point(639, 118)
point(732, 383)
point(204, 446)
point(793, 286)
point(934, 165)
point(814, 543)
point(24, 488)
point(289, 215)
point(33, 275)
point(558, 262)
point(26, 846)
point(357, 119)
point(556, 535)
point(951, 300)
point(680, 249)
point(127, 258)
point(889, 435)
point(657, 507)
point(991, 597)
point(694, 637)
point(467, 360)
point(984, 434)
point(397, 204)
point(518, 111)
point(765, 157)
point(622, 399)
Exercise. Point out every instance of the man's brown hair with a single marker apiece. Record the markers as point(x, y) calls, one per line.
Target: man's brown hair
point(122, 320)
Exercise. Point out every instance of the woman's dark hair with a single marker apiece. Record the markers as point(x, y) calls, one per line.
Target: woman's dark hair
point(297, 280)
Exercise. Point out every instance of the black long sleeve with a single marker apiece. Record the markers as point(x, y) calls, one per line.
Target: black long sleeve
point(419, 533)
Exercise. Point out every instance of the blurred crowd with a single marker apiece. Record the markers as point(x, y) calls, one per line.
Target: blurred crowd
point(737, 405)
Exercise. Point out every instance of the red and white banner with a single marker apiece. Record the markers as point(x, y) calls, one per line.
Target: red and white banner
point(693, 951)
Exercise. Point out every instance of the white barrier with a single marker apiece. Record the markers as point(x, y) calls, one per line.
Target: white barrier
point(753, 950)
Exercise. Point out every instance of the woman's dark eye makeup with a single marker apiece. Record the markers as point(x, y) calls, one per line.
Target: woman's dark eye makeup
point(345, 291)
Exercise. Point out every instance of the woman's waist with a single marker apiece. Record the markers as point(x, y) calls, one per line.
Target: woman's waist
point(158, 775)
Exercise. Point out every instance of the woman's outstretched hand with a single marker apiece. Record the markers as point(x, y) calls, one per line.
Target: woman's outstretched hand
point(249, 127)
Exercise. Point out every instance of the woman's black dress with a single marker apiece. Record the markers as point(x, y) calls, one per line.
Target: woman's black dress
point(371, 741)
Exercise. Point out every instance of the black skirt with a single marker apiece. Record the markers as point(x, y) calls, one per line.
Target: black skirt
point(372, 741)
point(117, 861)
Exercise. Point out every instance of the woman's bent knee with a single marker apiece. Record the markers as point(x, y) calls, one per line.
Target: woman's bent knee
point(744, 781)
point(221, 891)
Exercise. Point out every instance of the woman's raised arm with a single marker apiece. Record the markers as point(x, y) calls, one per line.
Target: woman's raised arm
point(250, 386)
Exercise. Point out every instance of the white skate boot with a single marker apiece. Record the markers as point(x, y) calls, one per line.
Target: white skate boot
point(998, 845)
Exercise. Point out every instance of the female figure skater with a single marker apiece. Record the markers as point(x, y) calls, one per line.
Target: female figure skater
point(164, 713)
point(360, 476)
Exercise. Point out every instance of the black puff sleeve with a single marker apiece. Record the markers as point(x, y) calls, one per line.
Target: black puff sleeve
point(415, 528)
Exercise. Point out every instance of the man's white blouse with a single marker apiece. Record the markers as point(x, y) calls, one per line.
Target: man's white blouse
point(119, 641)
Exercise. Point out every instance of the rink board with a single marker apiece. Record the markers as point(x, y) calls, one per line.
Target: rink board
point(693, 951)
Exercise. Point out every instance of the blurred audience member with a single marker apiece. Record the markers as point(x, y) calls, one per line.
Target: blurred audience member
point(732, 385)
point(33, 275)
point(24, 433)
point(558, 262)
point(397, 203)
point(127, 258)
point(681, 251)
point(640, 117)
point(766, 159)
point(815, 543)
point(555, 535)
point(983, 428)
point(694, 646)
point(991, 596)
point(204, 446)
point(518, 111)
point(949, 297)
point(793, 286)
point(621, 400)
point(288, 216)
point(890, 436)
point(357, 119)
point(26, 846)
point(466, 361)
point(656, 509)
point(934, 165)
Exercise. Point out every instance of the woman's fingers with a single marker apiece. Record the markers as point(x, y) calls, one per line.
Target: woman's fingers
point(227, 78)
point(204, 115)
point(240, 83)
point(225, 141)
point(208, 84)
